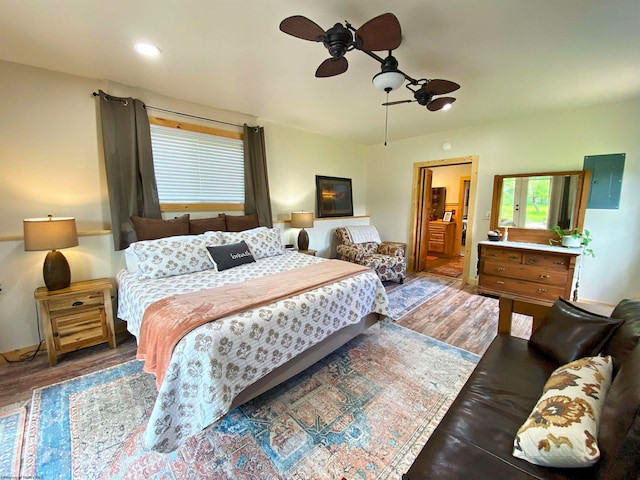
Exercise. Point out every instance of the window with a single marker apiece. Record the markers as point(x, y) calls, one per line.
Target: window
point(196, 166)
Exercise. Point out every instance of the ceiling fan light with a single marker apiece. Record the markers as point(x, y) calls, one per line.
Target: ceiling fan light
point(446, 106)
point(388, 81)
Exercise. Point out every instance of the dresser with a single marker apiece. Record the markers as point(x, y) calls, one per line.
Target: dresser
point(442, 236)
point(526, 271)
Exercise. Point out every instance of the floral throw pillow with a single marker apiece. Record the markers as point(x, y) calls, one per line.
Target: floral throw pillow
point(171, 256)
point(262, 241)
point(562, 429)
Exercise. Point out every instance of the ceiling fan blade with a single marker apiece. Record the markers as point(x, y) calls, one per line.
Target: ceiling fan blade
point(439, 103)
point(397, 102)
point(440, 87)
point(332, 66)
point(380, 33)
point(301, 27)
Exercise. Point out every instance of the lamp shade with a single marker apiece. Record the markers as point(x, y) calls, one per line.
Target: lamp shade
point(302, 220)
point(49, 233)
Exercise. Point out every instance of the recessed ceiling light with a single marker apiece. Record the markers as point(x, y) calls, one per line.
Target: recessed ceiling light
point(147, 49)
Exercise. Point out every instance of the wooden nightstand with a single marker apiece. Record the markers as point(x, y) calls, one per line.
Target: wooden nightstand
point(76, 317)
point(308, 252)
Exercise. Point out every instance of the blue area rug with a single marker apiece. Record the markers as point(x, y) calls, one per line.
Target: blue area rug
point(12, 421)
point(409, 296)
point(363, 412)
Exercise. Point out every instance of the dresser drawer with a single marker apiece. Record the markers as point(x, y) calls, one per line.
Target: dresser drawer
point(525, 272)
point(79, 328)
point(76, 301)
point(546, 260)
point(502, 254)
point(521, 287)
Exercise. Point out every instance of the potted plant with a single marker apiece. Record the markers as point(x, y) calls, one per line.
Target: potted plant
point(573, 238)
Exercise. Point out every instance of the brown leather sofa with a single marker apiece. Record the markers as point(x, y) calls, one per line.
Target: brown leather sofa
point(475, 438)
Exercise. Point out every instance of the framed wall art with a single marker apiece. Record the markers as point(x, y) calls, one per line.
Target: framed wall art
point(333, 197)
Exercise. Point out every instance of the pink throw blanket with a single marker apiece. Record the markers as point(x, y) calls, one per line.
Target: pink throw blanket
point(166, 321)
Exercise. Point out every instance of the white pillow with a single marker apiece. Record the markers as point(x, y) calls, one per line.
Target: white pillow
point(562, 429)
point(166, 257)
point(262, 241)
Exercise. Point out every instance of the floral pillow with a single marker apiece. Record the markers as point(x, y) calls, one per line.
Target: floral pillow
point(562, 429)
point(262, 241)
point(171, 256)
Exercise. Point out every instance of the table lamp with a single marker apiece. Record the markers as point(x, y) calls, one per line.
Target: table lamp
point(52, 234)
point(302, 220)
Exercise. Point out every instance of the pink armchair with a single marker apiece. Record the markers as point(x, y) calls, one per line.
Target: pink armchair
point(362, 245)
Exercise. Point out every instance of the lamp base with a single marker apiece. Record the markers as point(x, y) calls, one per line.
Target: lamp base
point(303, 240)
point(56, 271)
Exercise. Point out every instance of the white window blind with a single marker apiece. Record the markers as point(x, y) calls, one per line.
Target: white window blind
point(194, 167)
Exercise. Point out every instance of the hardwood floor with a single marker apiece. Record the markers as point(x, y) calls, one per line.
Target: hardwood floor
point(457, 316)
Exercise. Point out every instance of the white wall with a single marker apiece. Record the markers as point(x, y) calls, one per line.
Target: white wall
point(551, 142)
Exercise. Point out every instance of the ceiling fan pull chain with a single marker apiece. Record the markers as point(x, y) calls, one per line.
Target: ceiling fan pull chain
point(386, 120)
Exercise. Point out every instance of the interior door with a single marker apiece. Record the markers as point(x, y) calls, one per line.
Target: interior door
point(423, 217)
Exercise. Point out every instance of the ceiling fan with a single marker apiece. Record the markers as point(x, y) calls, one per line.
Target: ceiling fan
point(380, 33)
point(425, 92)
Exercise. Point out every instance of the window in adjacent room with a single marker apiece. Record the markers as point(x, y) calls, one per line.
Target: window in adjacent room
point(197, 167)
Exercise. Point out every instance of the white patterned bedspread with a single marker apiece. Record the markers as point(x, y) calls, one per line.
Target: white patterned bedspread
point(215, 361)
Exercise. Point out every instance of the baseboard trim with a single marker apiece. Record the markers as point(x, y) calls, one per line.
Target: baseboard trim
point(25, 352)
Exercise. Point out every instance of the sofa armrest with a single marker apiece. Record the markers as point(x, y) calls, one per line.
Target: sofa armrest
point(509, 306)
point(396, 249)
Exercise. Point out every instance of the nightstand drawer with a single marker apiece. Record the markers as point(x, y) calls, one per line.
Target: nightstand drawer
point(79, 329)
point(76, 301)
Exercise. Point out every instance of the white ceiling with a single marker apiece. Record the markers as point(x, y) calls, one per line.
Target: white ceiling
point(511, 57)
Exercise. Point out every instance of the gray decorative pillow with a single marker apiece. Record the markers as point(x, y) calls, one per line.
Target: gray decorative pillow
point(229, 256)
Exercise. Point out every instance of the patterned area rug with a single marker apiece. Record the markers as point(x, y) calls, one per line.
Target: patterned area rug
point(363, 412)
point(407, 297)
point(453, 269)
point(12, 419)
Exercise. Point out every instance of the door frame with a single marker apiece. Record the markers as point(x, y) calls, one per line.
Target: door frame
point(416, 207)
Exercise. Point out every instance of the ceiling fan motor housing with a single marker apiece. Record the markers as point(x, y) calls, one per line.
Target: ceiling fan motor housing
point(338, 39)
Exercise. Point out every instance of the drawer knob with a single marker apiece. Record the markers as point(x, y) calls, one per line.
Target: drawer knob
point(501, 269)
point(492, 255)
point(513, 257)
point(77, 304)
point(500, 282)
point(542, 290)
point(545, 276)
point(561, 262)
point(533, 260)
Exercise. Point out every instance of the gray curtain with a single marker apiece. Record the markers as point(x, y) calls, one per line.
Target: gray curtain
point(256, 181)
point(131, 179)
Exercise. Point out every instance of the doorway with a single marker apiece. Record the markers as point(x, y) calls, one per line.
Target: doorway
point(441, 244)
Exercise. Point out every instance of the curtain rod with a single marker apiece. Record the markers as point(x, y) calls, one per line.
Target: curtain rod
point(149, 107)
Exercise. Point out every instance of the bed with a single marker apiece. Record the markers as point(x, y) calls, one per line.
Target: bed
point(224, 363)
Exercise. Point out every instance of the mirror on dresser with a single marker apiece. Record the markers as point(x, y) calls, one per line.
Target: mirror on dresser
point(525, 266)
point(530, 204)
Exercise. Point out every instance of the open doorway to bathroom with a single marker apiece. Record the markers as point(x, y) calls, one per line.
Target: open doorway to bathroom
point(442, 207)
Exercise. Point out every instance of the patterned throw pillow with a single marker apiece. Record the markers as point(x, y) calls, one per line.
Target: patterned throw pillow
point(171, 256)
point(562, 429)
point(262, 241)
